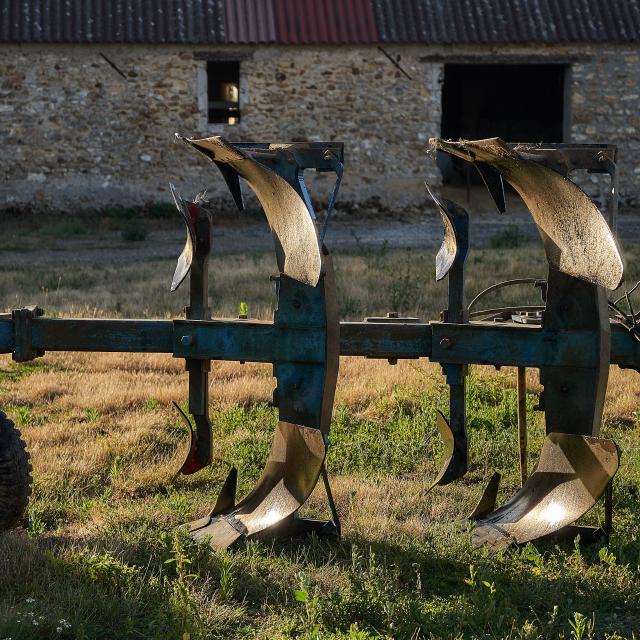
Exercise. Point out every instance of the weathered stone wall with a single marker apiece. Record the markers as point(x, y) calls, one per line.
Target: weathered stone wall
point(76, 134)
point(605, 107)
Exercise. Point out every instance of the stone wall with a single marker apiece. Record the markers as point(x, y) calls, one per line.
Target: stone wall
point(76, 134)
point(605, 107)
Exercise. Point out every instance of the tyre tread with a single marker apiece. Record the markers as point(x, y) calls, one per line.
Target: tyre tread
point(15, 474)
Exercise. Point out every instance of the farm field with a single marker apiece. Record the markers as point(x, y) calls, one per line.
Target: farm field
point(101, 555)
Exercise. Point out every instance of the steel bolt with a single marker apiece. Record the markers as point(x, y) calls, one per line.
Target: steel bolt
point(186, 341)
point(446, 343)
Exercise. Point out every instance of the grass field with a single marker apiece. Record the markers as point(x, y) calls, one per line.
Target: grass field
point(100, 555)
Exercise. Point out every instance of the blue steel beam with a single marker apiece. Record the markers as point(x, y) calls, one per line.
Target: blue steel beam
point(474, 343)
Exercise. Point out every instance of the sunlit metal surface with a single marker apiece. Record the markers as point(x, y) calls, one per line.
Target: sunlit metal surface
point(291, 473)
point(288, 216)
point(186, 257)
point(449, 247)
point(576, 237)
point(572, 473)
point(454, 457)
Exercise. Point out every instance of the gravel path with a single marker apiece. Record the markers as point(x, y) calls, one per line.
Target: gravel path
point(255, 237)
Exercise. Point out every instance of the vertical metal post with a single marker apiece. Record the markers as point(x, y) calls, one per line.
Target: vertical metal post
point(201, 445)
point(456, 313)
point(522, 423)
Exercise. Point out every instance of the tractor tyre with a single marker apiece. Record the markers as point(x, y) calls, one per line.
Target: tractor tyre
point(15, 475)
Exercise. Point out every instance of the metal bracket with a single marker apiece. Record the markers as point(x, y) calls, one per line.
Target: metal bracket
point(23, 350)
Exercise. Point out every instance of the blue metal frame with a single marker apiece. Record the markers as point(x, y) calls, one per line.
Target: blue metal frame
point(573, 346)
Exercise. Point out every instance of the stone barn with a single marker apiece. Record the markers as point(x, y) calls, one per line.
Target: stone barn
point(92, 91)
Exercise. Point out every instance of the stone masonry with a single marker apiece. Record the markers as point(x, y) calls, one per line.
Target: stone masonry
point(76, 134)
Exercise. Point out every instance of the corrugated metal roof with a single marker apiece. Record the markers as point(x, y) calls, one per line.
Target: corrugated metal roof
point(140, 21)
point(325, 22)
point(249, 21)
point(505, 21)
point(319, 21)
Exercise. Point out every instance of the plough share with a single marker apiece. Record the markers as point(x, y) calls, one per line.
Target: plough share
point(572, 337)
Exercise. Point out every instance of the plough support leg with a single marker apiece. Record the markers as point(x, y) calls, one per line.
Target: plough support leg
point(194, 261)
point(305, 389)
point(450, 263)
point(575, 468)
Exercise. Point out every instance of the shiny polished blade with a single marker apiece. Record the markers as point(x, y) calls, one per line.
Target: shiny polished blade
point(186, 257)
point(576, 237)
point(225, 502)
point(454, 456)
point(297, 246)
point(572, 473)
point(291, 473)
point(454, 222)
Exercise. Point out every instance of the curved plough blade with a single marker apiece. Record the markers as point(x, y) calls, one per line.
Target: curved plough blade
point(455, 222)
point(291, 473)
point(572, 474)
point(297, 246)
point(305, 388)
point(487, 502)
point(454, 458)
point(186, 257)
point(576, 237)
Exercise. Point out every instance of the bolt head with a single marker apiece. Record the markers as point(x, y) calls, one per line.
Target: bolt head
point(186, 341)
point(446, 343)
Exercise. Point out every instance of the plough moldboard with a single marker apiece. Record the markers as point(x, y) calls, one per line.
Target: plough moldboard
point(571, 337)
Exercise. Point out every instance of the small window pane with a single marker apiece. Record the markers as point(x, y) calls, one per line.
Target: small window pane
point(223, 89)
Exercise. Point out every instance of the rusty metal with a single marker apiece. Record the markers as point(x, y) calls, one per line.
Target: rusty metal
point(572, 474)
point(194, 261)
point(306, 297)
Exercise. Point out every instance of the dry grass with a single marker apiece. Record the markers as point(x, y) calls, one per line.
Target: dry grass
point(105, 446)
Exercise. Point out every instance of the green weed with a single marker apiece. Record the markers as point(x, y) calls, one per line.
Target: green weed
point(508, 238)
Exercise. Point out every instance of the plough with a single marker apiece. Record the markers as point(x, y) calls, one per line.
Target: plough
point(572, 337)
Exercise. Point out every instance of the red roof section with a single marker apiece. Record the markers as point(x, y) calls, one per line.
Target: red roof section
point(325, 22)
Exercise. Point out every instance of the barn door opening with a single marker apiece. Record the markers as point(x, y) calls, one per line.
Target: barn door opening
point(517, 102)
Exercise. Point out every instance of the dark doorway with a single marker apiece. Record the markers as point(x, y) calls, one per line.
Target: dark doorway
point(516, 102)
